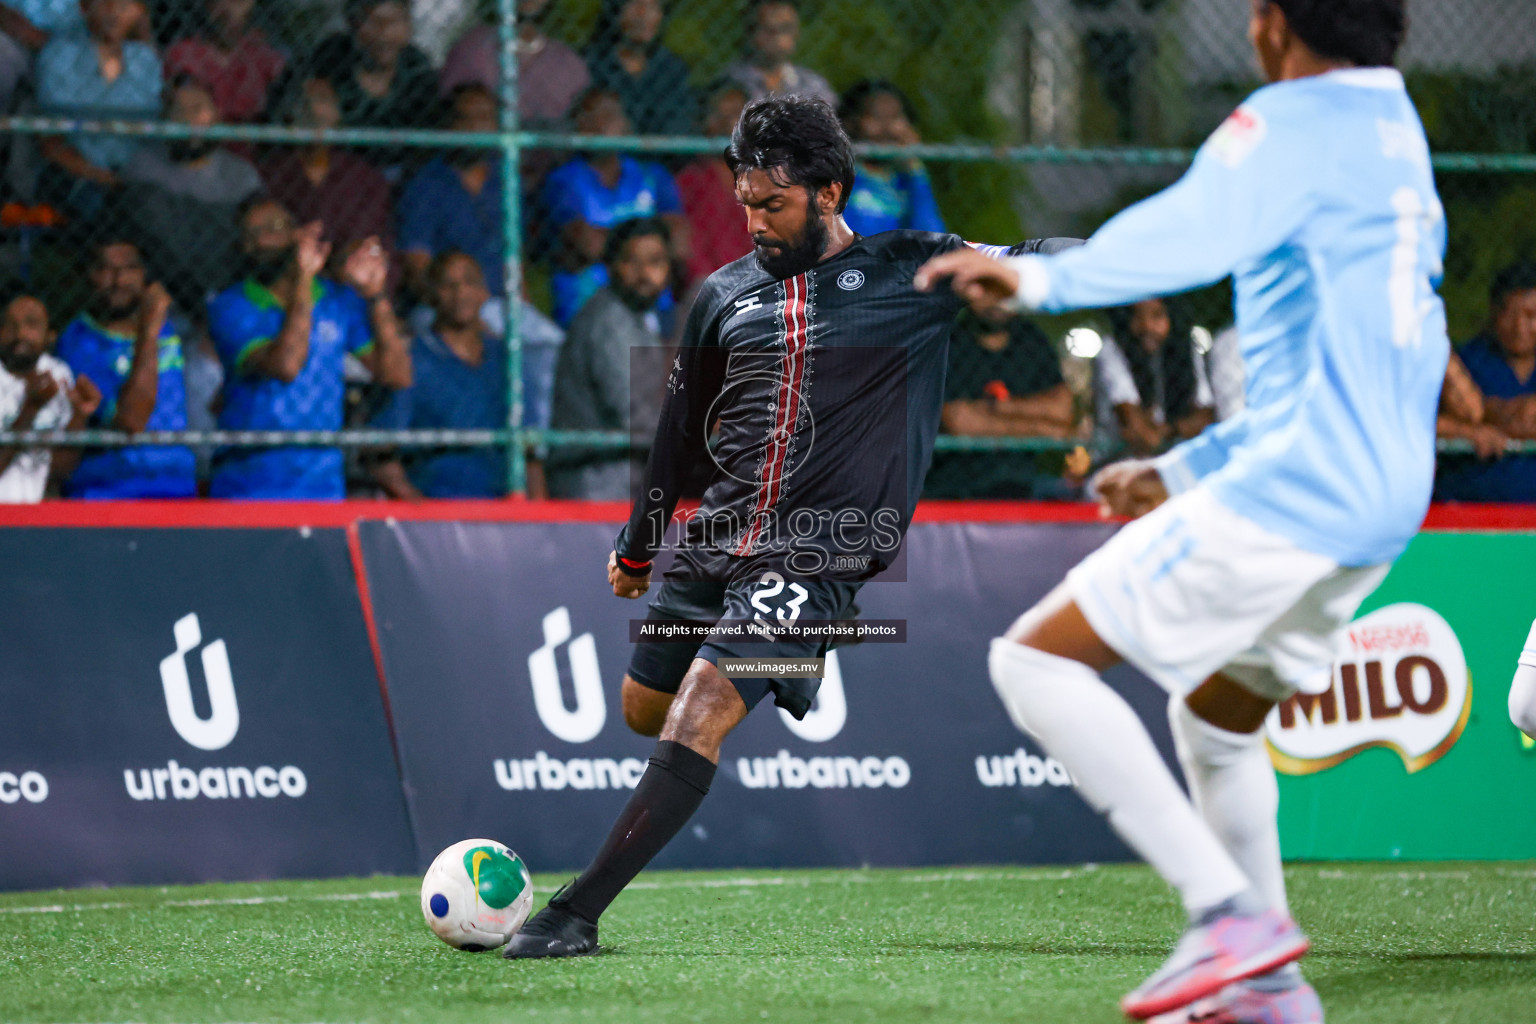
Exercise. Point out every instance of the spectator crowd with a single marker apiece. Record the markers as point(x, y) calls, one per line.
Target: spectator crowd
point(186, 283)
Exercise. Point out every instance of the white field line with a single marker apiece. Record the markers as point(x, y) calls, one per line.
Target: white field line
point(703, 883)
point(245, 901)
point(1324, 874)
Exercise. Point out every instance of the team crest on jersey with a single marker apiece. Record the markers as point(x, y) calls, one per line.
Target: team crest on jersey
point(1238, 136)
point(850, 280)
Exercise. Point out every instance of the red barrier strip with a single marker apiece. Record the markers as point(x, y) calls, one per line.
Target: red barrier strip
point(365, 596)
point(291, 514)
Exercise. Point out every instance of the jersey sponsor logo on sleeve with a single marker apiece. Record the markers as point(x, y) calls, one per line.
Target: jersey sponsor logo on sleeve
point(1399, 681)
point(1237, 138)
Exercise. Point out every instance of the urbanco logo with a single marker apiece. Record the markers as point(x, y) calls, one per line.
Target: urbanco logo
point(217, 730)
point(1399, 681)
point(29, 786)
point(585, 721)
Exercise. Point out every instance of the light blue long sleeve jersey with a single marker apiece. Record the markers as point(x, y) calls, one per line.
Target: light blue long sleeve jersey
point(1318, 198)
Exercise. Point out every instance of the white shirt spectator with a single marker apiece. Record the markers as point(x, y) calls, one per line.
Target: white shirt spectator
point(1113, 385)
point(25, 480)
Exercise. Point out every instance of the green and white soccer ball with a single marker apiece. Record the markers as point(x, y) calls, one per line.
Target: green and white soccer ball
point(476, 895)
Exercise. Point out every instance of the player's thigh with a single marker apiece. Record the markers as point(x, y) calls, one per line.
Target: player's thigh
point(1186, 589)
point(660, 665)
point(1296, 652)
point(645, 709)
point(707, 707)
point(769, 600)
point(1056, 626)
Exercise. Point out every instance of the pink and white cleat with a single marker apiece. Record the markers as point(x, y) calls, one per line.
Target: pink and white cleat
point(1210, 957)
point(1242, 1004)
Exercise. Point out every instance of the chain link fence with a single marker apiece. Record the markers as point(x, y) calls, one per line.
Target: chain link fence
point(192, 143)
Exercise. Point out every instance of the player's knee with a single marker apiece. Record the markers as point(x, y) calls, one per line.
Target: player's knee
point(1522, 700)
point(1028, 680)
point(1207, 745)
point(645, 709)
point(707, 708)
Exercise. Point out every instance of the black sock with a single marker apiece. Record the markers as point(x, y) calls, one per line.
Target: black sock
point(669, 792)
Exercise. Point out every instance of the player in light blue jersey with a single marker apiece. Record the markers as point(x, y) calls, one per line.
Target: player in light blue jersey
point(1316, 197)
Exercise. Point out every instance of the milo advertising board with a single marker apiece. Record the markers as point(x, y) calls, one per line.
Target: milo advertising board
point(1411, 753)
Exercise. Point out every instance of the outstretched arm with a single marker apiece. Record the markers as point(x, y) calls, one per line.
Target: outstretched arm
point(1249, 190)
point(698, 373)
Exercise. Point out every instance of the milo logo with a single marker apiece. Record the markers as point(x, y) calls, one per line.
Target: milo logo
point(497, 874)
point(1400, 681)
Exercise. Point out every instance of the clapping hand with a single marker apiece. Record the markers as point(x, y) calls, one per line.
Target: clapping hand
point(84, 398)
point(312, 251)
point(41, 388)
point(367, 268)
point(154, 305)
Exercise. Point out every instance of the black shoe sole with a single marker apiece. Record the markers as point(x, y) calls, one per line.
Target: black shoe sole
point(508, 954)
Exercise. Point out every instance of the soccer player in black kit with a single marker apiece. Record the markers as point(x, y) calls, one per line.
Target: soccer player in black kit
point(822, 370)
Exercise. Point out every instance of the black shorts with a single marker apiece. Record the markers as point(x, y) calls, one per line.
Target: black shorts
point(661, 665)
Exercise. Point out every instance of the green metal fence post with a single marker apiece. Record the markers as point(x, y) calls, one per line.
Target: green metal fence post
point(512, 229)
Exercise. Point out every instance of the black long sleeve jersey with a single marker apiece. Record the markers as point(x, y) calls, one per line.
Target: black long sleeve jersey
point(824, 392)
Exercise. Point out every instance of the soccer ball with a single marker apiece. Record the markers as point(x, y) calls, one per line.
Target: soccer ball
point(476, 895)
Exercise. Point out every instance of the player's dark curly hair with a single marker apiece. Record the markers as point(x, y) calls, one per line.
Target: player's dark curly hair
point(1363, 32)
point(797, 141)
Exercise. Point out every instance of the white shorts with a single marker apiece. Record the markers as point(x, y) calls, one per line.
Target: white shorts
point(1192, 589)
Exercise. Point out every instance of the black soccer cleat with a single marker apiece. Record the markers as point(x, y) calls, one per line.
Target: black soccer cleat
point(552, 932)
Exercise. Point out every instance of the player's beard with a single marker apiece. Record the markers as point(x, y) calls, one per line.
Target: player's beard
point(797, 255)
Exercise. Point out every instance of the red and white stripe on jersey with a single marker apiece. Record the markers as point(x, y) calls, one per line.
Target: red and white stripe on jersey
point(770, 484)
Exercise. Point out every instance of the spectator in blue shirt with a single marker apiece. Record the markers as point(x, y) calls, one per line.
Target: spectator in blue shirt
point(459, 382)
point(34, 23)
point(102, 75)
point(455, 201)
point(283, 335)
point(26, 26)
point(1502, 363)
point(124, 341)
point(887, 194)
point(587, 196)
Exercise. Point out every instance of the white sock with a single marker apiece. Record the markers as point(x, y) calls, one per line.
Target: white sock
point(1522, 693)
point(1232, 783)
point(1091, 730)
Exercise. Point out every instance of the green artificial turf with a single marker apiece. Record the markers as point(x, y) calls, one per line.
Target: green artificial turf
point(1394, 943)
